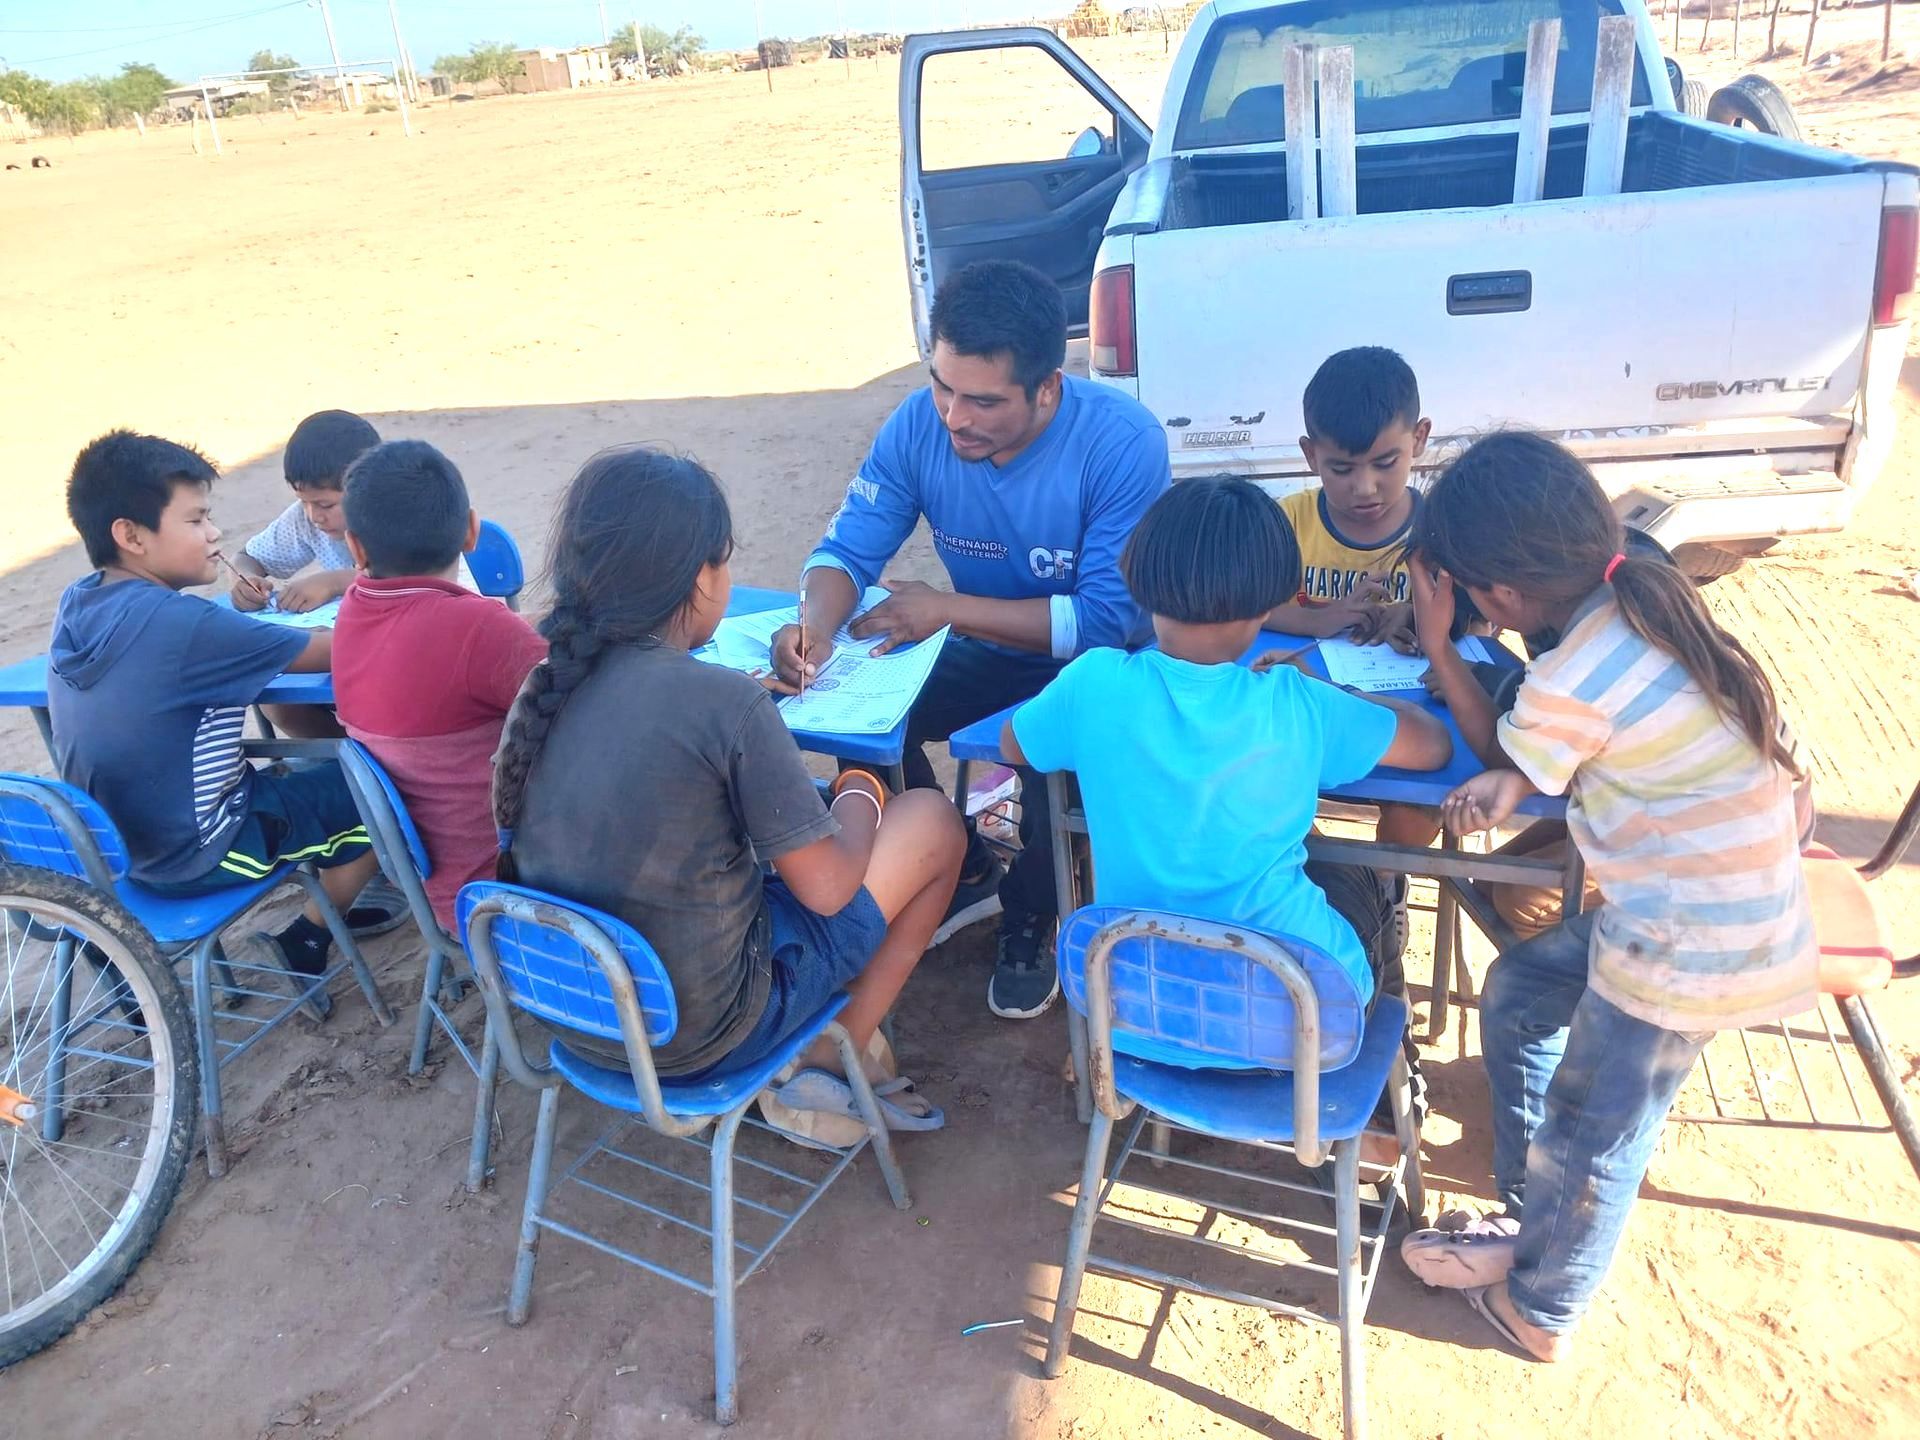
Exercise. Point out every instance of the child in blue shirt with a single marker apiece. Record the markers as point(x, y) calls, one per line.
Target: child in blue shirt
point(1201, 776)
point(147, 690)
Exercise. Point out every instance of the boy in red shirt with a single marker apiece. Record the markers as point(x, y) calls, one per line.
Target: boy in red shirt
point(424, 671)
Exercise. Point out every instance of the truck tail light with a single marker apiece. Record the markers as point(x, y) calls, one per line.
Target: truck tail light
point(1110, 317)
point(1892, 280)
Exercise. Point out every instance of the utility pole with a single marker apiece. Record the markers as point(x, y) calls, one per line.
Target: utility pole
point(640, 52)
point(606, 36)
point(409, 79)
point(339, 70)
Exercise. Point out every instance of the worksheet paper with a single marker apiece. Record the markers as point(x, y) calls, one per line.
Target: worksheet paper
point(855, 693)
point(322, 617)
point(1377, 669)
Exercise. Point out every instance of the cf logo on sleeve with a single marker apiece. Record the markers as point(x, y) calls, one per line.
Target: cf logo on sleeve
point(1050, 564)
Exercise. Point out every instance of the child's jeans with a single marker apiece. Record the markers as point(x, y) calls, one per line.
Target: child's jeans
point(1580, 1090)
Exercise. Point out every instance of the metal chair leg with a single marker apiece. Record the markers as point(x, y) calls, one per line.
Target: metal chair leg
point(520, 1296)
point(726, 1359)
point(53, 1117)
point(1082, 1083)
point(877, 1135)
point(1886, 1084)
point(343, 938)
point(483, 1109)
point(1446, 934)
point(1086, 1210)
point(205, 955)
point(1346, 1226)
point(1159, 1138)
point(429, 997)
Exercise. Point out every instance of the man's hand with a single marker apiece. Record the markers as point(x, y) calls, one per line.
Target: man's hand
point(309, 592)
point(909, 615)
point(251, 593)
point(1433, 605)
point(1484, 801)
point(798, 655)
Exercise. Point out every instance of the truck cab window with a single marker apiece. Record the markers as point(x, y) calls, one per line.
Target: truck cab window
point(1416, 63)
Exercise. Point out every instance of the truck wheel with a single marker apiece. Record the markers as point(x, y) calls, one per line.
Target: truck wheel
point(1693, 99)
point(1756, 103)
point(1704, 564)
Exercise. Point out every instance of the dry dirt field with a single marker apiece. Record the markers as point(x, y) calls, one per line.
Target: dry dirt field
point(710, 266)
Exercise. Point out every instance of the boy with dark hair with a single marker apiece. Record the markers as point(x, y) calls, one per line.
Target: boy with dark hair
point(147, 691)
point(425, 670)
point(312, 530)
point(1364, 431)
point(1031, 481)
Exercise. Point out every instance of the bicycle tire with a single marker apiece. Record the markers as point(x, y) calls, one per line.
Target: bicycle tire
point(146, 1007)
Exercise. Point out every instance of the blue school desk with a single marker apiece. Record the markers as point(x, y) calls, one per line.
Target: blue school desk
point(1461, 874)
point(24, 685)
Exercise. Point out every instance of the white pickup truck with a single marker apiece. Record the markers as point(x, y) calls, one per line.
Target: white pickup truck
point(1721, 339)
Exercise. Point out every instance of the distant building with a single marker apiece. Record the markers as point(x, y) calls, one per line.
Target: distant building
point(563, 69)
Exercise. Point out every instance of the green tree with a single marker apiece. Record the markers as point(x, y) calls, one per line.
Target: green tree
point(141, 87)
point(666, 52)
point(277, 85)
point(71, 107)
point(26, 93)
point(497, 61)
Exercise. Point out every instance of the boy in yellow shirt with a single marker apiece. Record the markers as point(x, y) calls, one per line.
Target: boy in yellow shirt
point(1364, 431)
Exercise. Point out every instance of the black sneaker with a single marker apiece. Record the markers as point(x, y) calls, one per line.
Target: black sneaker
point(378, 908)
point(976, 898)
point(1025, 982)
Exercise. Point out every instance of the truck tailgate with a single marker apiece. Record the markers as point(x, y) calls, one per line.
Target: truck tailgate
point(1632, 312)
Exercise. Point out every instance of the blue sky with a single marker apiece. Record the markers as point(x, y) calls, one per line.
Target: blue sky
point(62, 39)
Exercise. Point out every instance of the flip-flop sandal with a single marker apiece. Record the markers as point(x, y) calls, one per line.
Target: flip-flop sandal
point(1478, 1300)
point(831, 1095)
point(1476, 1255)
point(378, 908)
point(901, 1091)
point(810, 1128)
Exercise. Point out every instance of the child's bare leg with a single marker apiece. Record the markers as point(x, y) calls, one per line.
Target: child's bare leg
point(1415, 825)
point(304, 722)
point(342, 883)
point(915, 863)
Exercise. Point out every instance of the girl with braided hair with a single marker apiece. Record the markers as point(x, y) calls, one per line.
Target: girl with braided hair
point(642, 782)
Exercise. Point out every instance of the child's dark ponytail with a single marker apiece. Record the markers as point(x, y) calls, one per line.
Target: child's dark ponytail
point(1517, 509)
point(635, 529)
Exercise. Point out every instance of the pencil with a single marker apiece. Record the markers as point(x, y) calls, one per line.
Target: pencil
point(238, 574)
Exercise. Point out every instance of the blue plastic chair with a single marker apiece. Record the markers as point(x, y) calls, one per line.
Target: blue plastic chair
point(585, 972)
point(496, 565)
point(404, 860)
point(57, 827)
point(1226, 1033)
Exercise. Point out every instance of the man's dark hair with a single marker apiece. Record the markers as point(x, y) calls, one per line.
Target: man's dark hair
point(1001, 307)
point(1212, 551)
point(124, 476)
point(323, 446)
point(1357, 394)
point(407, 506)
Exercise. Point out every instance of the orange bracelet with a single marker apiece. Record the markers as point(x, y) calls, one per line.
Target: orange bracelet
point(840, 786)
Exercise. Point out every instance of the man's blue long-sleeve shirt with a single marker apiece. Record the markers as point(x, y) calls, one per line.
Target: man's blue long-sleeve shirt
point(1051, 523)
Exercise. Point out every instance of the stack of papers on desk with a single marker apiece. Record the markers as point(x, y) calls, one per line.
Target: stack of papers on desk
point(855, 693)
point(321, 617)
point(1380, 669)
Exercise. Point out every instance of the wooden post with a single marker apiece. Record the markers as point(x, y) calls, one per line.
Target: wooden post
point(1738, 7)
point(1677, 7)
point(207, 101)
point(1303, 177)
point(400, 93)
point(1886, 34)
point(1706, 24)
point(140, 124)
point(1607, 117)
point(1813, 19)
point(1536, 111)
point(194, 116)
point(1339, 185)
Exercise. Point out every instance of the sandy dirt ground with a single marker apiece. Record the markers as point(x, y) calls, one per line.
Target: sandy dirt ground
point(707, 265)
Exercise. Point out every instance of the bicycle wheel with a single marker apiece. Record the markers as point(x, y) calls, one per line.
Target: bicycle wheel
point(99, 1092)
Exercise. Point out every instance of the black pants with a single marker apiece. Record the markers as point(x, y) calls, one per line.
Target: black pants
point(1361, 896)
point(969, 683)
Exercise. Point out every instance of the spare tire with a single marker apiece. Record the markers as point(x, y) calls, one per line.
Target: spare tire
point(1693, 98)
point(1756, 103)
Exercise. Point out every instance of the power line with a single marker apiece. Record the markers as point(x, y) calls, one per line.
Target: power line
point(122, 29)
point(166, 35)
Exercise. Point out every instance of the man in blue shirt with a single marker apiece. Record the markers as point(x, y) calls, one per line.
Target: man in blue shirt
point(1031, 481)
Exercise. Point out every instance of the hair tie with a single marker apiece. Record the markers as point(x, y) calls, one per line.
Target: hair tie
point(505, 839)
point(1612, 565)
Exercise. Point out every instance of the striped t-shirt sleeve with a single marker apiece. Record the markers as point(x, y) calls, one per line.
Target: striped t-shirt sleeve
point(1549, 735)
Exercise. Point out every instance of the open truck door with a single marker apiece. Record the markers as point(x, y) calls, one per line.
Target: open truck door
point(1011, 148)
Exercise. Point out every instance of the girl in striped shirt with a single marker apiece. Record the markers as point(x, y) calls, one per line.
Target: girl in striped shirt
point(1662, 732)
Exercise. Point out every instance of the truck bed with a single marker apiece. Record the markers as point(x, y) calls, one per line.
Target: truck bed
point(1664, 152)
